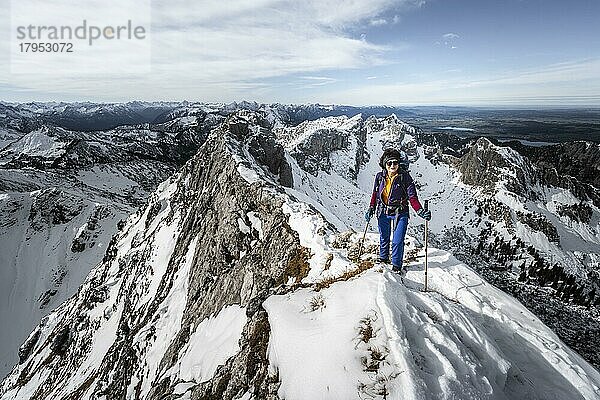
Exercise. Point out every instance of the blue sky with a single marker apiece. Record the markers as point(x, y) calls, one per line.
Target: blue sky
point(402, 52)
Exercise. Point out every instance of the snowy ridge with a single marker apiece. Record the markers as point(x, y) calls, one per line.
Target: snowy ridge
point(40, 252)
point(134, 289)
point(462, 339)
point(504, 196)
point(51, 238)
point(535, 213)
point(106, 318)
point(38, 143)
point(292, 137)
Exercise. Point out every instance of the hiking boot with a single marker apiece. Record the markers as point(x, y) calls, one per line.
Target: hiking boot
point(404, 271)
point(396, 268)
point(383, 260)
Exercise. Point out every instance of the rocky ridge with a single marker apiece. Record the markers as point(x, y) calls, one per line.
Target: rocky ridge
point(199, 212)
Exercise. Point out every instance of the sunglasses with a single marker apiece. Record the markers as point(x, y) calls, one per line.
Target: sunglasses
point(391, 162)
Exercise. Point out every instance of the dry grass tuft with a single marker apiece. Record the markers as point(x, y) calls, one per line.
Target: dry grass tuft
point(316, 303)
point(298, 266)
point(325, 283)
point(366, 331)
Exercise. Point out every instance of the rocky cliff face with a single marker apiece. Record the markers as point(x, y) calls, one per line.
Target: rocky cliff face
point(209, 238)
point(487, 166)
point(580, 160)
point(573, 166)
point(312, 144)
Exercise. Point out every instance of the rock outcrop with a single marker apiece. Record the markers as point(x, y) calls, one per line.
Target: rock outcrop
point(486, 165)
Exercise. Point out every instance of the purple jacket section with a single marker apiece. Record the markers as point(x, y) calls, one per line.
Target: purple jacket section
point(403, 190)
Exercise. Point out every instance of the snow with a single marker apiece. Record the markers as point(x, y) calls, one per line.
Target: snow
point(243, 227)
point(36, 258)
point(511, 156)
point(292, 137)
point(245, 396)
point(214, 340)
point(168, 324)
point(189, 120)
point(527, 142)
point(80, 230)
point(316, 191)
point(508, 198)
point(461, 339)
point(102, 339)
point(165, 240)
point(28, 390)
point(256, 223)
point(249, 174)
point(299, 338)
point(38, 144)
point(183, 387)
point(563, 196)
point(307, 224)
point(455, 128)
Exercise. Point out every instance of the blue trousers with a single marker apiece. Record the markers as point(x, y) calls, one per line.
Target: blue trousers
point(384, 222)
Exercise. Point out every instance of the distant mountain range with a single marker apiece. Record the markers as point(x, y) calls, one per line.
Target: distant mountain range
point(554, 125)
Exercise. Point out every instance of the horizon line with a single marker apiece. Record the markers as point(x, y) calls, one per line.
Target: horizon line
point(410, 105)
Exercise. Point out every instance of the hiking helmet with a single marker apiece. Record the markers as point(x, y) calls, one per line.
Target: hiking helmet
point(393, 154)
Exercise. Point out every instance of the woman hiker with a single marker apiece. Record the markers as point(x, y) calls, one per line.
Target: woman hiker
point(393, 189)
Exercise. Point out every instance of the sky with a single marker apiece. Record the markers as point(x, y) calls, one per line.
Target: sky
point(394, 52)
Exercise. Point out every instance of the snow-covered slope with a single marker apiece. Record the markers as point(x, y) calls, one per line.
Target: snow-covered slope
point(62, 195)
point(375, 337)
point(54, 227)
point(236, 281)
point(413, 328)
point(143, 310)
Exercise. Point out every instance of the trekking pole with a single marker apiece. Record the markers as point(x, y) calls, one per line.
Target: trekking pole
point(426, 229)
point(362, 241)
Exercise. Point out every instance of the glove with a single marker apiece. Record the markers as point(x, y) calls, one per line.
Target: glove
point(369, 214)
point(425, 214)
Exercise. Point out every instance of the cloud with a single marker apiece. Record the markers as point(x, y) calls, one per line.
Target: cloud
point(449, 40)
point(316, 81)
point(199, 47)
point(571, 71)
point(378, 22)
point(450, 36)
